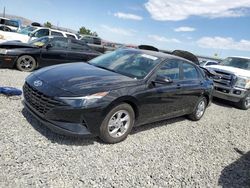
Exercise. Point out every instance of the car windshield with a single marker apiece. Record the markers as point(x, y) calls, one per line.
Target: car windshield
point(26, 30)
point(134, 64)
point(40, 42)
point(241, 63)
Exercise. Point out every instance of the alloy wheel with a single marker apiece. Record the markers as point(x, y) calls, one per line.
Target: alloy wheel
point(200, 109)
point(119, 123)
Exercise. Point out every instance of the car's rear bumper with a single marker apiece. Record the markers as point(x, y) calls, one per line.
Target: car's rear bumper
point(64, 128)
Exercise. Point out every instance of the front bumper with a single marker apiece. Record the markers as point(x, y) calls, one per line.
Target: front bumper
point(7, 61)
point(231, 94)
point(64, 128)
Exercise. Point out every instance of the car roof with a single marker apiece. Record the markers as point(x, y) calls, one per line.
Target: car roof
point(160, 54)
point(240, 57)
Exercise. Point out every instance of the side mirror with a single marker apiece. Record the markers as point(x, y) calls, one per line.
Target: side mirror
point(30, 34)
point(162, 80)
point(48, 46)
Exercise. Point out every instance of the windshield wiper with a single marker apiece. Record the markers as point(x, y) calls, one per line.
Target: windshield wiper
point(106, 68)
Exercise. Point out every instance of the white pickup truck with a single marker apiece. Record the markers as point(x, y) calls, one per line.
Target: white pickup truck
point(233, 84)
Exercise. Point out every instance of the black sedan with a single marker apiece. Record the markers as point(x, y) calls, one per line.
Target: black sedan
point(43, 52)
point(112, 93)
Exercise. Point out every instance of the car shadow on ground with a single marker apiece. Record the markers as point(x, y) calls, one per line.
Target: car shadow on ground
point(154, 125)
point(57, 138)
point(82, 141)
point(236, 174)
point(224, 103)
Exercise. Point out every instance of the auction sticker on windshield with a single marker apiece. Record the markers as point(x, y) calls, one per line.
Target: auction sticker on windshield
point(149, 57)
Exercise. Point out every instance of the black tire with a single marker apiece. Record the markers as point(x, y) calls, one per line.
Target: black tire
point(195, 116)
point(105, 129)
point(26, 63)
point(244, 104)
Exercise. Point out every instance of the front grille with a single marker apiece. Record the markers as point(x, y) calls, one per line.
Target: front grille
point(38, 101)
point(226, 79)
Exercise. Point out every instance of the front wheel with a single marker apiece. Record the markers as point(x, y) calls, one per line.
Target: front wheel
point(117, 124)
point(199, 109)
point(26, 63)
point(244, 104)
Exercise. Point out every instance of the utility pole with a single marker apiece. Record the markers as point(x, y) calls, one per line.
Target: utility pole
point(4, 11)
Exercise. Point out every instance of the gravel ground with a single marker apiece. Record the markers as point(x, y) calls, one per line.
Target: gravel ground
point(174, 153)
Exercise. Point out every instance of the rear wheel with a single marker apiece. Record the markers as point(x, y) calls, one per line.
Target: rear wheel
point(199, 109)
point(26, 63)
point(117, 124)
point(244, 104)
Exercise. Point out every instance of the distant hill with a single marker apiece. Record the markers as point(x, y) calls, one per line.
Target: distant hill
point(26, 22)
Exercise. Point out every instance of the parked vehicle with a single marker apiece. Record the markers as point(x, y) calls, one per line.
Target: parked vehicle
point(208, 63)
point(32, 32)
point(14, 25)
point(5, 28)
point(114, 92)
point(234, 82)
point(44, 51)
point(89, 39)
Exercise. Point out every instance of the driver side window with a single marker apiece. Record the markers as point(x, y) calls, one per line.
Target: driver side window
point(170, 69)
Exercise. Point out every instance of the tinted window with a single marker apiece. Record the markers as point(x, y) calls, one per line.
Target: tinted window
point(78, 45)
point(41, 33)
point(211, 63)
point(170, 70)
point(190, 72)
point(12, 23)
point(70, 36)
point(54, 33)
point(59, 43)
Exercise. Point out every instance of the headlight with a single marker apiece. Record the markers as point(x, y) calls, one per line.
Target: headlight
point(83, 101)
point(243, 82)
point(3, 51)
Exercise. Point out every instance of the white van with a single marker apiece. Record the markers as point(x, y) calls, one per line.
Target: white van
point(30, 33)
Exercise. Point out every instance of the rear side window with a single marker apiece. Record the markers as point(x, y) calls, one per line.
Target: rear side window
point(190, 72)
point(12, 23)
point(54, 33)
point(70, 36)
point(211, 63)
point(79, 46)
point(170, 70)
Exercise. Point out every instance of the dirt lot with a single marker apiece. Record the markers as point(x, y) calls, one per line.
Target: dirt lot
point(178, 152)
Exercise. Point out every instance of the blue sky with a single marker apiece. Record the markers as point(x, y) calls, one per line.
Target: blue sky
point(203, 27)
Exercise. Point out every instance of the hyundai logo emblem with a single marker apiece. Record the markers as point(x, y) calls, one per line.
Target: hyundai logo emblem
point(38, 83)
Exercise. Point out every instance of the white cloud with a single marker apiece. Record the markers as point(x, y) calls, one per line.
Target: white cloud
point(163, 39)
point(128, 16)
point(224, 43)
point(120, 31)
point(182, 9)
point(184, 29)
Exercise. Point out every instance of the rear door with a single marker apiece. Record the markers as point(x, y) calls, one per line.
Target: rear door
point(191, 84)
point(57, 53)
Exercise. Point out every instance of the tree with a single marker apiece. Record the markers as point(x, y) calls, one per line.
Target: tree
point(85, 31)
point(48, 24)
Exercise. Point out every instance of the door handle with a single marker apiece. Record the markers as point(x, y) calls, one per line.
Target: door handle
point(178, 86)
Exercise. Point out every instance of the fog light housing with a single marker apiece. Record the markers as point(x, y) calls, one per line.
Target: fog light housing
point(237, 92)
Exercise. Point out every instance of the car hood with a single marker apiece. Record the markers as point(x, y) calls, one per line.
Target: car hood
point(82, 79)
point(12, 45)
point(11, 36)
point(232, 70)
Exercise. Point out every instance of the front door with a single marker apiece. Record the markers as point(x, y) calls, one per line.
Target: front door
point(57, 53)
point(161, 101)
